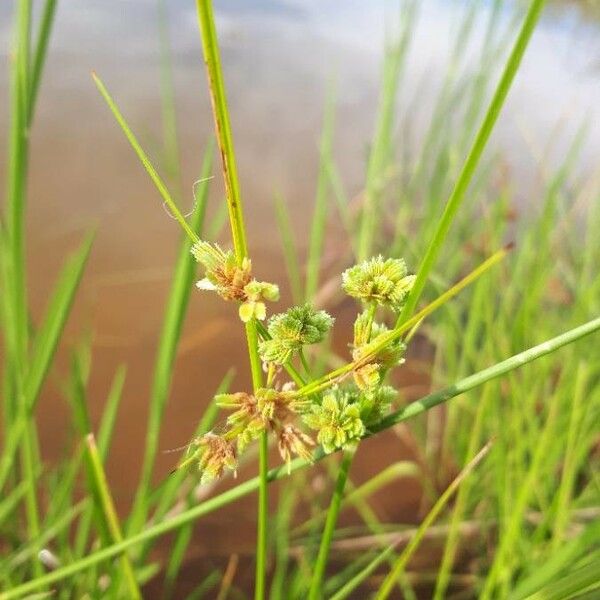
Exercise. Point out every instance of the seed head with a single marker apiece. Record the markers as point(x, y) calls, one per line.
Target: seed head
point(299, 326)
point(214, 454)
point(337, 420)
point(246, 422)
point(385, 282)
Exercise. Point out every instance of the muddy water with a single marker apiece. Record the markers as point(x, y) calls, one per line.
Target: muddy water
point(279, 60)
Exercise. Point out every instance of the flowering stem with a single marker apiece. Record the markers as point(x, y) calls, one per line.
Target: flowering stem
point(216, 86)
point(334, 506)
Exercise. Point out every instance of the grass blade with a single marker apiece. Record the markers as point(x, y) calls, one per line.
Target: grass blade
point(317, 231)
point(101, 493)
point(158, 182)
point(386, 588)
point(45, 345)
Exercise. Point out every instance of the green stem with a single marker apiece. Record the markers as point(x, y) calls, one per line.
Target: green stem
point(415, 408)
point(334, 506)
point(218, 98)
point(304, 362)
point(316, 584)
point(263, 499)
point(474, 156)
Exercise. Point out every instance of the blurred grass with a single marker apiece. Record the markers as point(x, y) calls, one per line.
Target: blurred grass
point(534, 503)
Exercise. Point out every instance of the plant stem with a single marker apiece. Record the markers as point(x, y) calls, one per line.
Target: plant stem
point(332, 517)
point(222, 124)
point(411, 410)
point(474, 156)
point(216, 86)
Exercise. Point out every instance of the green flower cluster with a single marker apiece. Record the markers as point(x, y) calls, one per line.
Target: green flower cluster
point(232, 281)
point(289, 331)
point(385, 282)
point(340, 415)
point(345, 414)
point(366, 335)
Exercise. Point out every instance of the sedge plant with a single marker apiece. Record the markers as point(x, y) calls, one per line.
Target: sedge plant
point(310, 411)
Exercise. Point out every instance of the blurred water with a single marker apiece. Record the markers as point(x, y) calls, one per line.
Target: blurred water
point(279, 59)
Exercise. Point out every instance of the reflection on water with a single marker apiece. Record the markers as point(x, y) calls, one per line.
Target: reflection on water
point(279, 59)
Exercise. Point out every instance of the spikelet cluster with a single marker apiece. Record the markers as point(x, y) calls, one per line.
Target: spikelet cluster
point(233, 281)
point(383, 281)
point(289, 331)
point(341, 412)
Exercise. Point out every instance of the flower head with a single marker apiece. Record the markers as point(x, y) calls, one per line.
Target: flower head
point(214, 454)
point(246, 422)
point(337, 420)
point(366, 337)
point(233, 281)
point(299, 326)
point(278, 406)
point(384, 281)
point(375, 404)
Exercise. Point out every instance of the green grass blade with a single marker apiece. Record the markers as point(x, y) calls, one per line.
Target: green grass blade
point(46, 342)
point(101, 492)
point(105, 432)
point(39, 57)
point(561, 561)
point(290, 251)
point(109, 414)
point(158, 182)
point(333, 512)
point(381, 150)
point(184, 534)
point(386, 588)
point(578, 581)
